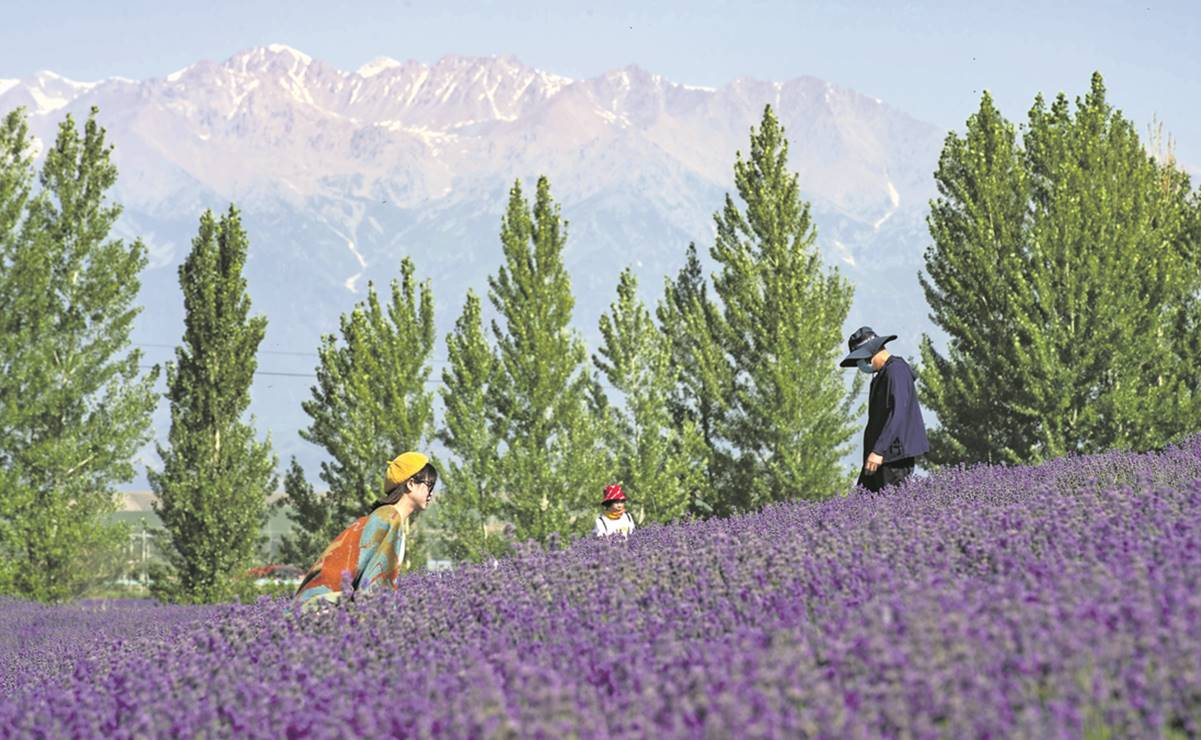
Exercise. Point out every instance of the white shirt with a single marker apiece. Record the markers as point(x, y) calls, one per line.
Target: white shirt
point(606, 526)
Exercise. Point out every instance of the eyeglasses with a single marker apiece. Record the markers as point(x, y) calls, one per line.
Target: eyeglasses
point(416, 481)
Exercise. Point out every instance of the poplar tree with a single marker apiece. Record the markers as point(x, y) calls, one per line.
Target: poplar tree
point(791, 414)
point(703, 373)
point(660, 465)
point(212, 491)
point(543, 404)
point(311, 516)
point(465, 517)
point(1066, 272)
point(74, 406)
point(16, 188)
point(370, 404)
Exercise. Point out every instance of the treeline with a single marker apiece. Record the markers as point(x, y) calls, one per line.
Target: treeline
point(1064, 266)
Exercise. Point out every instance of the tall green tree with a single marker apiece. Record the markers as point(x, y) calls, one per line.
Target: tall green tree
point(791, 413)
point(369, 405)
point(74, 406)
point(1065, 271)
point(311, 516)
point(16, 187)
point(212, 491)
point(466, 519)
point(543, 403)
point(661, 466)
point(978, 224)
point(704, 375)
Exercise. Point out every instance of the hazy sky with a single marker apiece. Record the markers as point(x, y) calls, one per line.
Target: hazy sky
point(930, 59)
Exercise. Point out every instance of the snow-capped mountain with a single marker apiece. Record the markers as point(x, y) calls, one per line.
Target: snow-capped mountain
point(341, 173)
point(275, 115)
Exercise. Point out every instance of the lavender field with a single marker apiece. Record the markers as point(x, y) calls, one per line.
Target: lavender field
point(1056, 601)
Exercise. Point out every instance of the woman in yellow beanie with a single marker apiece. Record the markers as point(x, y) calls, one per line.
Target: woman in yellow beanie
point(370, 551)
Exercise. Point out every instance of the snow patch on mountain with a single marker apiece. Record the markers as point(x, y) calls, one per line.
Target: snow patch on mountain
point(47, 102)
point(553, 83)
point(376, 66)
point(241, 95)
point(299, 56)
point(44, 92)
point(895, 199)
point(619, 119)
point(844, 253)
point(47, 77)
point(357, 255)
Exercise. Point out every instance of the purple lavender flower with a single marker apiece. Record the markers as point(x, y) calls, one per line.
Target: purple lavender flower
point(1058, 600)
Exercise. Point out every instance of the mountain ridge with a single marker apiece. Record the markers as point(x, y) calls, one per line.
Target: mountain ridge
point(266, 95)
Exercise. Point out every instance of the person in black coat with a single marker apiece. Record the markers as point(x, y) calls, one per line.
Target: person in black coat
point(895, 433)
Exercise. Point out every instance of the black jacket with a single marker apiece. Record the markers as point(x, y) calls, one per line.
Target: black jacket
point(895, 429)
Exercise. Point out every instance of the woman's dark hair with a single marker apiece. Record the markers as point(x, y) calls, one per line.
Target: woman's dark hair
point(427, 475)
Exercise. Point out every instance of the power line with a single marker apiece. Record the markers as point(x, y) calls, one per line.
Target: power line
point(261, 351)
point(433, 361)
point(290, 375)
point(257, 372)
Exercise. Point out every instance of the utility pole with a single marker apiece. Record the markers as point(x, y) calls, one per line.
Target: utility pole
point(144, 535)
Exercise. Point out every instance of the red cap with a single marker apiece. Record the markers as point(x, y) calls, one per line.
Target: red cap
point(613, 493)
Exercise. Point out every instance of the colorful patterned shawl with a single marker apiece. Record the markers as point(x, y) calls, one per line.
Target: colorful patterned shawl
point(370, 550)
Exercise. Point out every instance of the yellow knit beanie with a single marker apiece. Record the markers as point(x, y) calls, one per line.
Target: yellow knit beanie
point(405, 466)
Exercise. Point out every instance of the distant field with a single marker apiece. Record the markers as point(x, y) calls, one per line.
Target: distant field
point(137, 513)
point(277, 526)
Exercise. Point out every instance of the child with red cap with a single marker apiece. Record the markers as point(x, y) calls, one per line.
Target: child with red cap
point(614, 519)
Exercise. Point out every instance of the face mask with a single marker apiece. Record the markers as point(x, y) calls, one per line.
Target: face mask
point(865, 366)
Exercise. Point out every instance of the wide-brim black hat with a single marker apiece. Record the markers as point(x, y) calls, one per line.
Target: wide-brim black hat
point(864, 344)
